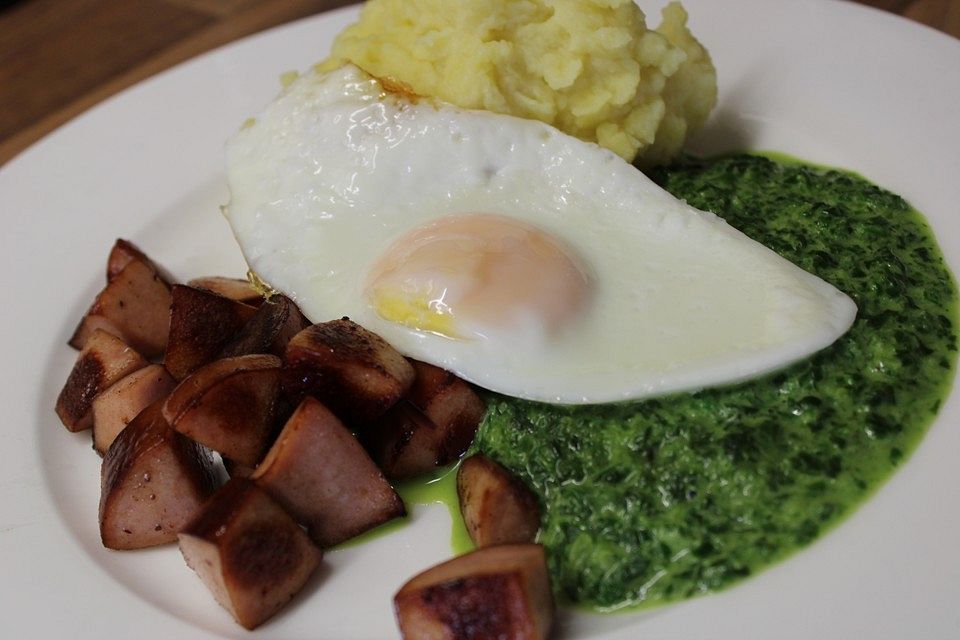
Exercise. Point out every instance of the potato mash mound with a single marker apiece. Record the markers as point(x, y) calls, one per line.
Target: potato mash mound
point(591, 68)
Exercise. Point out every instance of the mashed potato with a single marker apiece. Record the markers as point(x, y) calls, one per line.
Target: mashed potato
point(591, 68)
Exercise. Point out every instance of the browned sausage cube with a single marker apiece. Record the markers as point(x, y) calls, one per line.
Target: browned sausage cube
point(351, 370)
point(153, 481)
point(229, 405)
point(270, 330)
point(234, 288)
point(448, 401)
point(432, 427)
point(123, 253)
point(404, 442)
point(201, 324)
point(495, 592)
point(135, 306)
point(496, 506)
point(104, 360)
point(321, 475)
point(251, 555)
point(124, 400)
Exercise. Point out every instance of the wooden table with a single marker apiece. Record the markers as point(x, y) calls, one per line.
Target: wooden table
point(61, 57)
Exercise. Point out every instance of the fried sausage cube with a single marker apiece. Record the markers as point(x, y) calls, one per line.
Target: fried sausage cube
point(123, 253)
point(432, 427)
point(104, 360)
point(229, 405)
point(497, 507)
point(153, 482)
point(404, 443)
point(448, 401)
point(125, 399)
point(351, 370)
point(270, 329)
point(201, 324)
point(134, 306)
point(249, 552)
point(495, 592)
point(319, 472)
point(238, 289)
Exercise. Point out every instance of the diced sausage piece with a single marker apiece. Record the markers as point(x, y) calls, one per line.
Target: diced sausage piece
point(117, 406)
point(351, 370)
point(201, 324)
point(321, 475)
point(229, 405)
point(450, 404)
point(123, 253)
point(433, 427)
point(496, 506)
point(404, 442)
point(103, 360)
point(495, 592)
point(153, 481)
point(251, 555)
point(134, 306)
point(237, 289)
point(277, 320)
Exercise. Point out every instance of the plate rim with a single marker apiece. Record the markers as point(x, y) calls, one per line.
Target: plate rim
point(14, 166)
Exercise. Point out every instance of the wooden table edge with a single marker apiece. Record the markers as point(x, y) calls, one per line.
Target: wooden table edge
point(253, 20)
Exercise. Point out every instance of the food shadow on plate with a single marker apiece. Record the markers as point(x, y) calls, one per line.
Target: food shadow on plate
point(730, 128)
point(302, 599)
point(71, 468)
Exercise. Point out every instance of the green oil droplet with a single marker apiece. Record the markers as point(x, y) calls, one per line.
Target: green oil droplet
point(438, 487)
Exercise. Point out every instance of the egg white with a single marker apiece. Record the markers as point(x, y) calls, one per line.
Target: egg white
point(337, 168)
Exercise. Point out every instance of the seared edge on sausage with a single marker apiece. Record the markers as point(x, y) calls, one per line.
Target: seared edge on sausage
point(431, 427)
point(270, 329)
point(229, 405)
point(351, 370)
point(104, 360)
point(497, 507)
point(494, 592)
point(152, 482)
point(125, 399)
point(134, 306)
point(319, 472)
point(249, 552)
point(201, 323)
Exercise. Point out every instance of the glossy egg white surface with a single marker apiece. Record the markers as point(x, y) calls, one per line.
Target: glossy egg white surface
point(338, 170)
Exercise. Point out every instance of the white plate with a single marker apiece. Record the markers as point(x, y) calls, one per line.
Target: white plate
point(828, 81)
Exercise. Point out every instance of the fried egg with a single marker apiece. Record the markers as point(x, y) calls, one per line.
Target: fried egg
point(526, 261)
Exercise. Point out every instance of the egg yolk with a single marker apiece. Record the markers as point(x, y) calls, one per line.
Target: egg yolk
point(476, 275)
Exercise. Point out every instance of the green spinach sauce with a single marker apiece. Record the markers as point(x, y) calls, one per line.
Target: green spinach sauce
point(665, 499)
